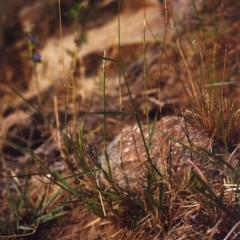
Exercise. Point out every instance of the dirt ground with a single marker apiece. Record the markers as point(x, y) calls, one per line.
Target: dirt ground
point(165, 70)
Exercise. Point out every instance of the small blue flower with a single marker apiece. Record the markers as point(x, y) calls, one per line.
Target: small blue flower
point(36, 58)
point(32, 38)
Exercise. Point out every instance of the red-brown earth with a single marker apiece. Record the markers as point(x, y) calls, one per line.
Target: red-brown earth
point(81, 71)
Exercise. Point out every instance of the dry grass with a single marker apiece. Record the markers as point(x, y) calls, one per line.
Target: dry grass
point(201, 203)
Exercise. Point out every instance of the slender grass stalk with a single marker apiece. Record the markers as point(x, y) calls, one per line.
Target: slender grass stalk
point(64, 77)
point(144, 66)
point(120, 80)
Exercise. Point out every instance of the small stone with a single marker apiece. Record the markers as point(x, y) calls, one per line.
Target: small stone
point(175, 142)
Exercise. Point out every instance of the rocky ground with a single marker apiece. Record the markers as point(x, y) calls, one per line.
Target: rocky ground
point(72, 62)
